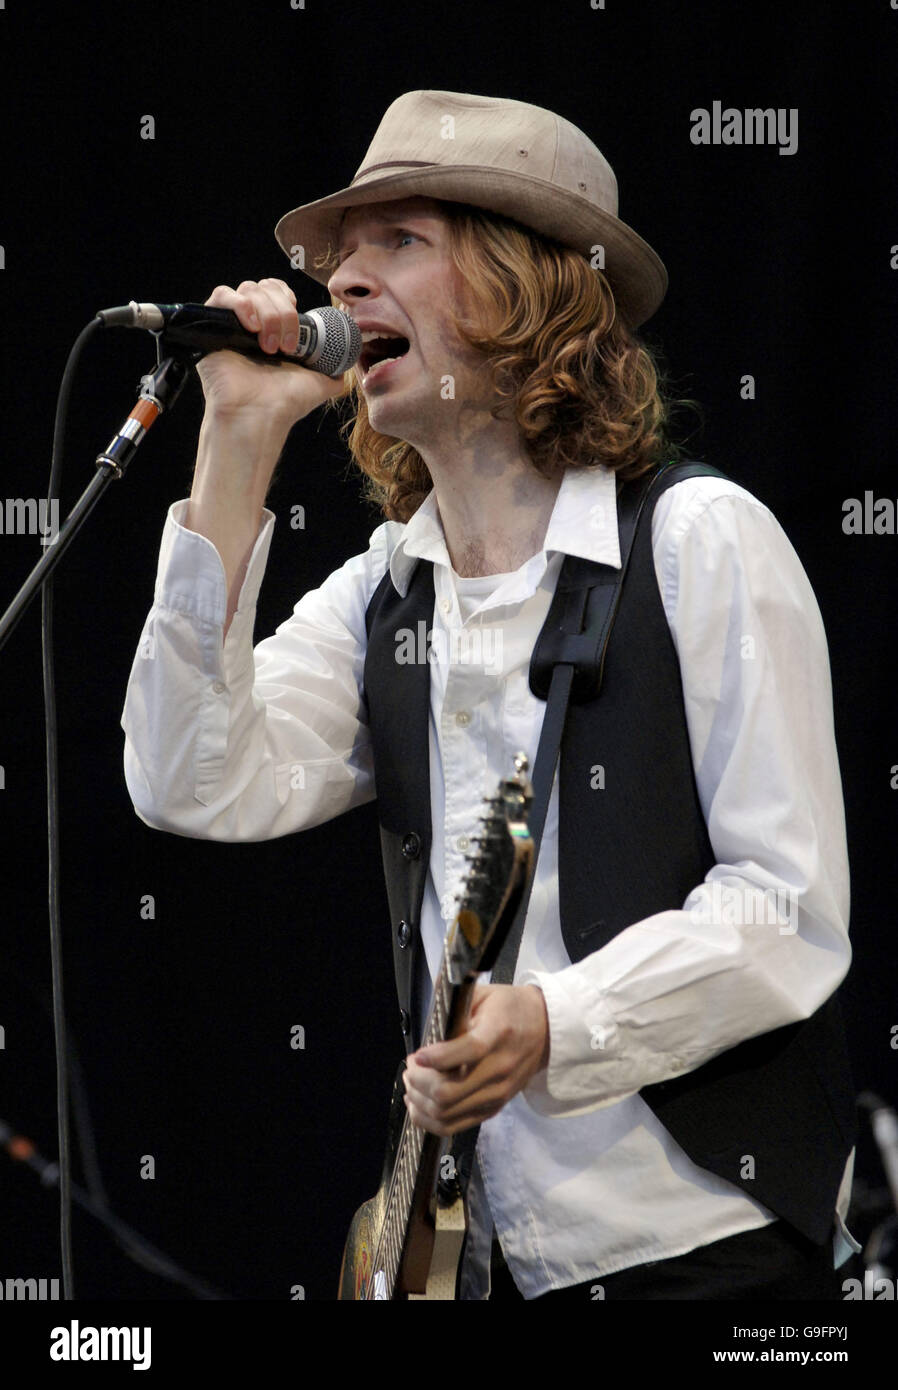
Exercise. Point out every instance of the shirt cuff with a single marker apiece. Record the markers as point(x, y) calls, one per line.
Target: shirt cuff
point(583, 1043)
point(190, 578)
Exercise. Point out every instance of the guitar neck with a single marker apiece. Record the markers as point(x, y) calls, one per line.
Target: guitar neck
point(418, 1152)
point(493, 891)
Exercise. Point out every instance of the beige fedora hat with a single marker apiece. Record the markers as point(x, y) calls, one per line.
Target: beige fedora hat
point(501, 155)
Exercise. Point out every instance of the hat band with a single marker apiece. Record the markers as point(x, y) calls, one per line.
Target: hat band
point(395, 164)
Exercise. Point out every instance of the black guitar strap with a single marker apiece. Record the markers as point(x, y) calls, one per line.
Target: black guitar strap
point(567, 665)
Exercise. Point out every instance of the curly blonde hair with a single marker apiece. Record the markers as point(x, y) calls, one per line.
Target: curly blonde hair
point(581, 387)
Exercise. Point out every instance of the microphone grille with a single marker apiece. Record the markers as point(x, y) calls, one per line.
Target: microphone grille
point(340, 343)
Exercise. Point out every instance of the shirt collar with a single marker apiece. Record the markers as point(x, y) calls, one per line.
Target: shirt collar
point(583, 522)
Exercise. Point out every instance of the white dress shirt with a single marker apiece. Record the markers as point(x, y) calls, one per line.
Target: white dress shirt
point(230, 743)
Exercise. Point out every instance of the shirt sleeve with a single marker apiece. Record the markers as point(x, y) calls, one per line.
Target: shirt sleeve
point(225, 742)
point(763, 941)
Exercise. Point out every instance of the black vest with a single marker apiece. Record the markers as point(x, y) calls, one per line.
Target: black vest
point(637, 847)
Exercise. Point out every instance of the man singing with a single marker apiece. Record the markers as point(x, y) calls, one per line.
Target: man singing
point(663, 1094)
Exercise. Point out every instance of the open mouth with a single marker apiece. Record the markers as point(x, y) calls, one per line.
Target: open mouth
point(382, 349)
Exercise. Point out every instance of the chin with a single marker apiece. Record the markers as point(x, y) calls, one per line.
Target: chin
point(391, 417)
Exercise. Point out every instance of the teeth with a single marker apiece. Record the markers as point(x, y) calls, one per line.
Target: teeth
point(381, 362)
point(368, 337)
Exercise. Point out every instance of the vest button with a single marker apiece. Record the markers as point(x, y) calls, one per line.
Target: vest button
point(411, 845)
point(403, 933)
point(404, 1022)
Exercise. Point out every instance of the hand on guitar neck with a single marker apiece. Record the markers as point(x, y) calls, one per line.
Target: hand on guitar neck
point(485, 1043)
point(454, 1085)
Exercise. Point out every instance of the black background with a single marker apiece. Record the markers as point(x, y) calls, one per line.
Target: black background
point(779, 266)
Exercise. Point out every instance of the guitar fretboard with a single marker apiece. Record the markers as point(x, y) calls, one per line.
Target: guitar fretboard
point(411, 1142)
point(490, 893)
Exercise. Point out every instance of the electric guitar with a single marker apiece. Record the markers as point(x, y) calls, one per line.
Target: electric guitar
point(407, 1241)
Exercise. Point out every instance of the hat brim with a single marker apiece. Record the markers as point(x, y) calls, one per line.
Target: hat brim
point(635, 272)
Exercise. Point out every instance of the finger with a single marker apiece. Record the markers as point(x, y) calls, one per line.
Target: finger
point(241, 301)
point(429, 1089)
point(279, 285)
point(441, 1091)
point(222, 297)
point(446, 1056)
point(454, 1123)
point(422, 1119)
point(283, 297)
point(470, 1110)
point(267, 310)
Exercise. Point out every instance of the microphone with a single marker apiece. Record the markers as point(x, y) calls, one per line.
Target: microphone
point(330, 341)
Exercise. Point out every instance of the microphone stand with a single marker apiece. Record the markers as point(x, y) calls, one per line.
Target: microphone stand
point(159, 391)
point(134, 1245)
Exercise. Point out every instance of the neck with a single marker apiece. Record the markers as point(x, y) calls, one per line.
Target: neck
point(494, 506)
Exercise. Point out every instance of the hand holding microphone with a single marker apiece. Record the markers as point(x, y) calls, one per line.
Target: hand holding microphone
point(256, 323)
point(232, 381)
point(250, 408)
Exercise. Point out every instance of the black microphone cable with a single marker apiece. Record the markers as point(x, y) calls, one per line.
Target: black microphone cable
point(50, 726)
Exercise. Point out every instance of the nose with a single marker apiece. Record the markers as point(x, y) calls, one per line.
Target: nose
point(355, 278)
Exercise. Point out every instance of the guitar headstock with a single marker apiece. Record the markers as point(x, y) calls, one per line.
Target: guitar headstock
point(496, 879)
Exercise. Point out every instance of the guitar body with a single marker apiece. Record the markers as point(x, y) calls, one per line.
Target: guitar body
point(433, 1247)
point(363, 1239)
point(357, 1269)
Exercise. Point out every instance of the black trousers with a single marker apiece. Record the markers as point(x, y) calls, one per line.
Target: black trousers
point(773, 1262)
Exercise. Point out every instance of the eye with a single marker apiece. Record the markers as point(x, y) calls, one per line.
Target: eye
point(401, 234)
